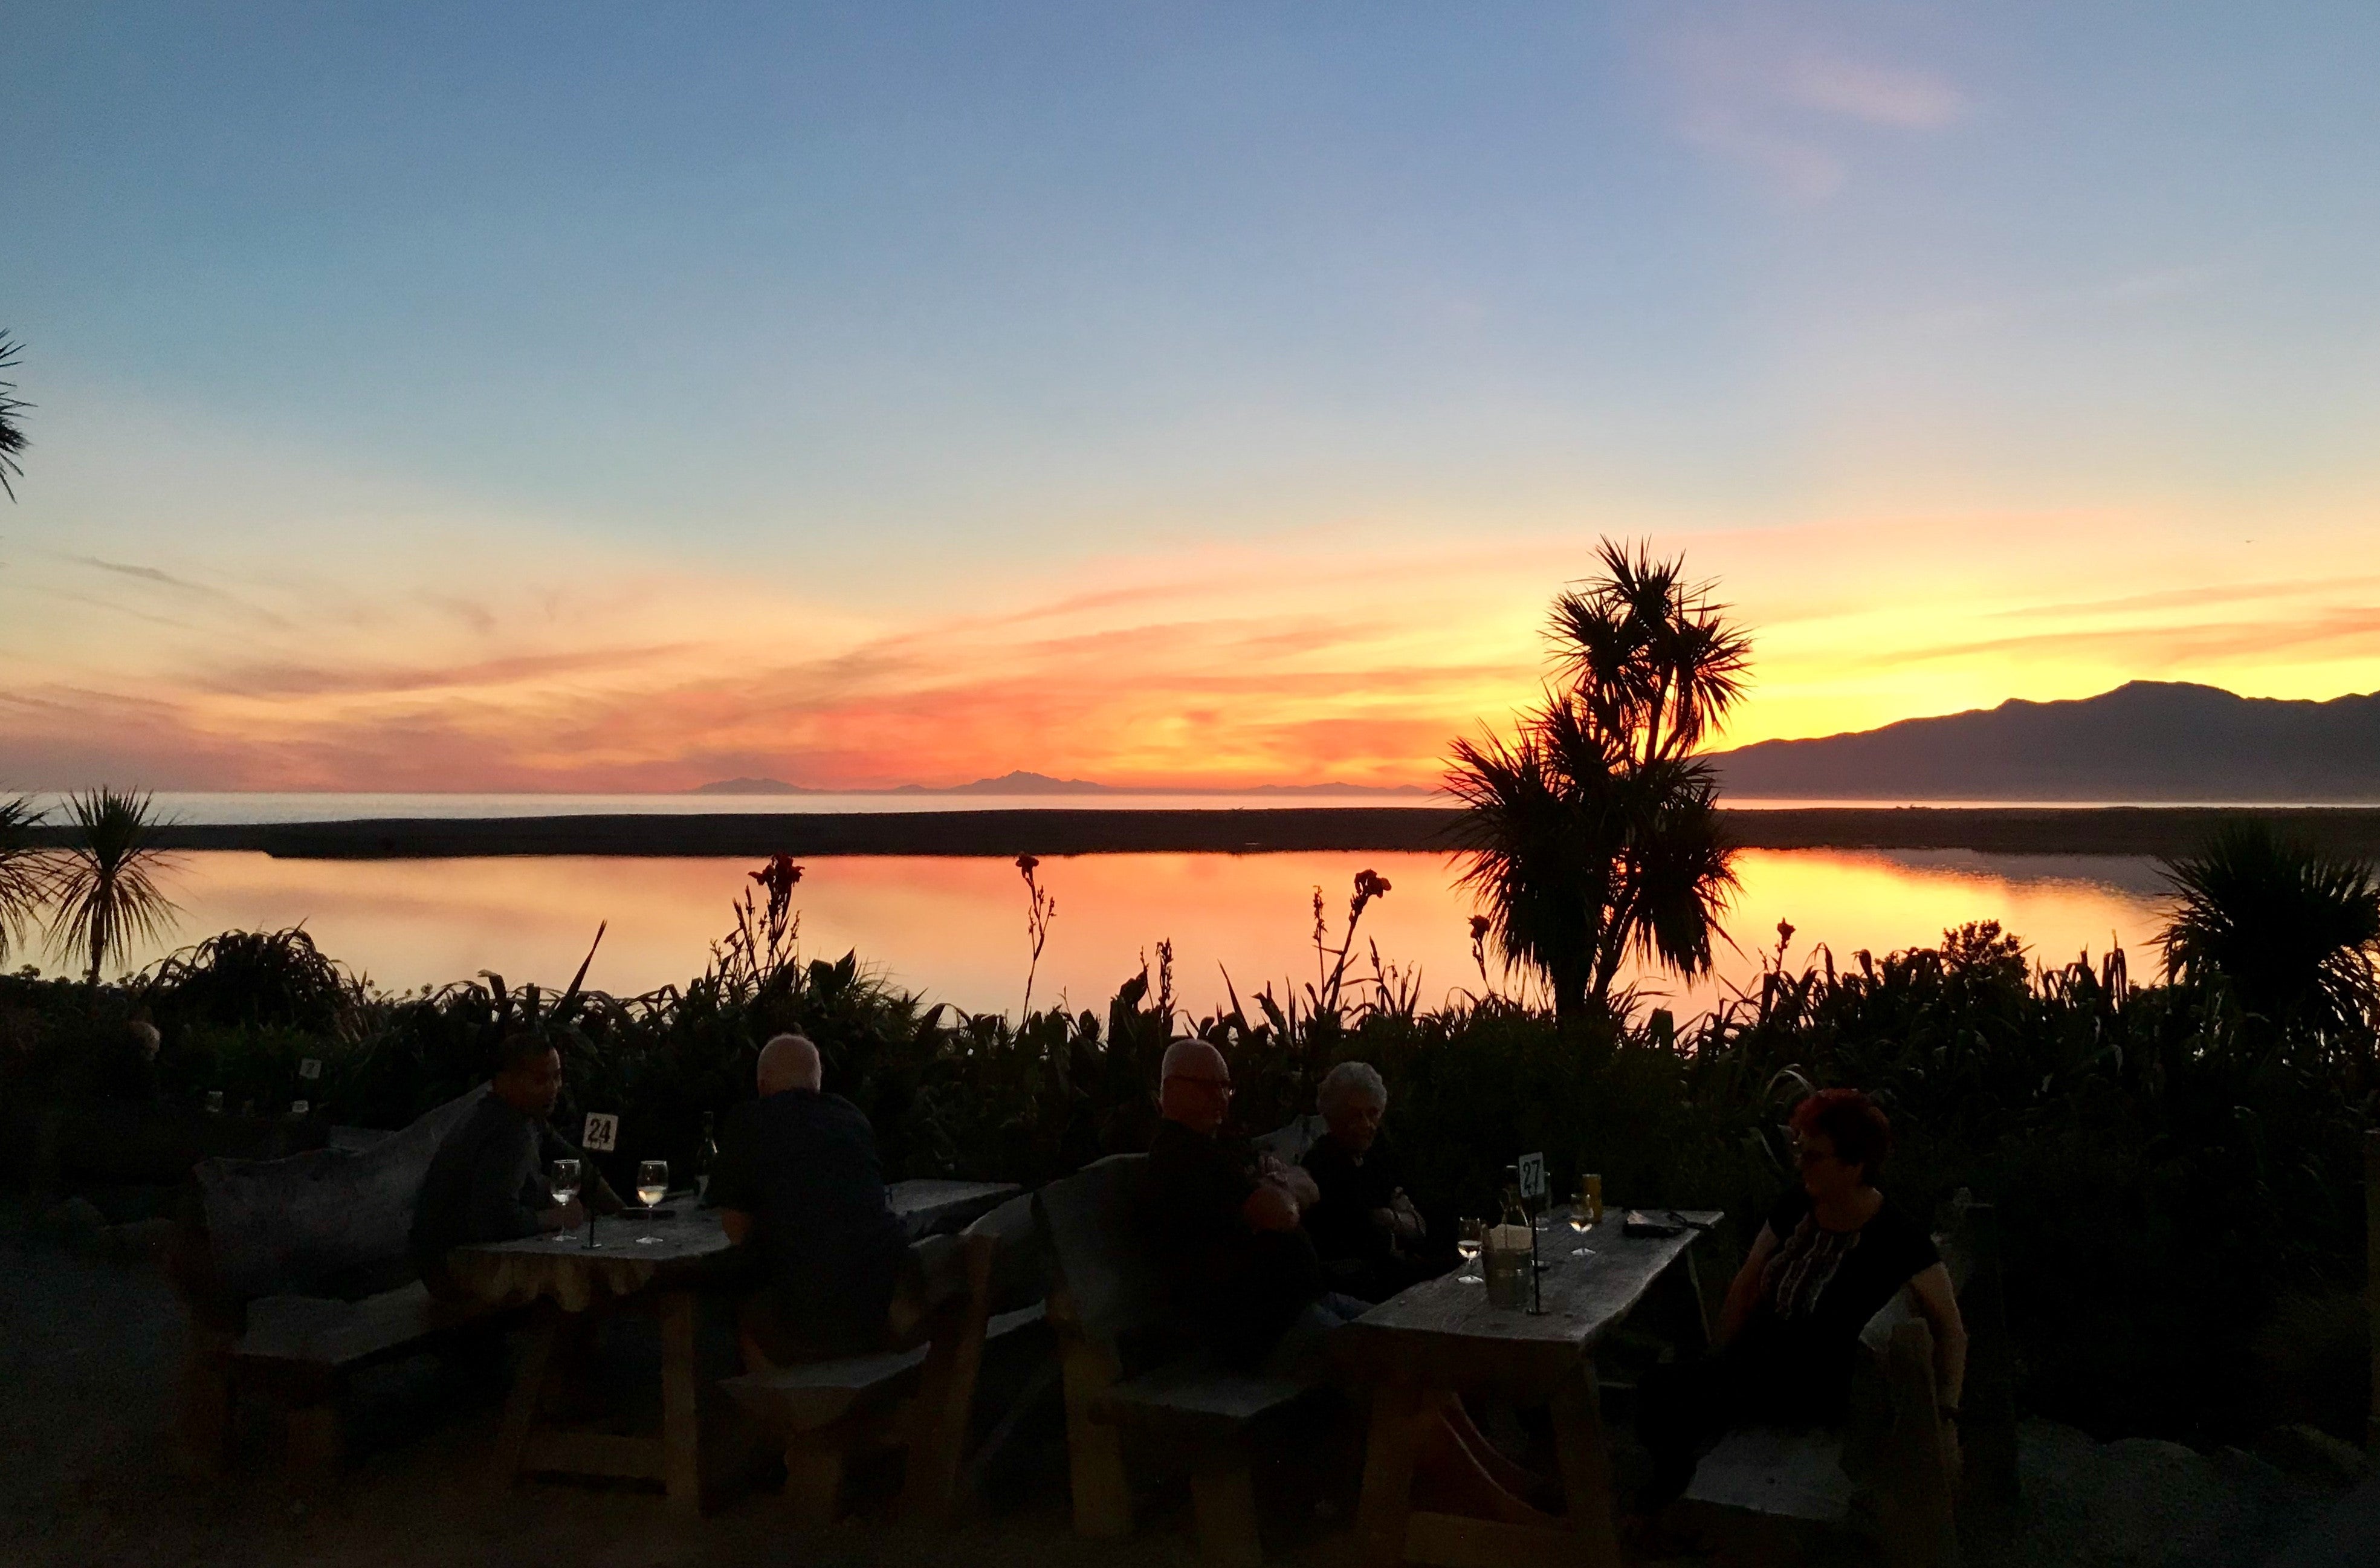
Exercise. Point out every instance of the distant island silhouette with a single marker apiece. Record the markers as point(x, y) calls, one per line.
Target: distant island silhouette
point(1024, 782)
point(2145, 741)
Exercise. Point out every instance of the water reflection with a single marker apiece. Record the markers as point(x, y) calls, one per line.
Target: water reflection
point(955, 928)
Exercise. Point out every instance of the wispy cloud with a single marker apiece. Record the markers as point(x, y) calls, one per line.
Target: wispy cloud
point(1760, 95)
point(1872, 94)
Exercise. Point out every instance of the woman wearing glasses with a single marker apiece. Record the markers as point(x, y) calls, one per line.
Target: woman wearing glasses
point(1832, 1254)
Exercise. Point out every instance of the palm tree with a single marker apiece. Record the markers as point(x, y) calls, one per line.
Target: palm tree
point(1594, 834)
point(105, 884)
point(24, 872)
point(2294, 932)
point(12, 435)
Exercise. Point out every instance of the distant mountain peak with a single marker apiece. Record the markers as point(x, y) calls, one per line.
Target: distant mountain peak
point(2144, 740)
point(752, 786)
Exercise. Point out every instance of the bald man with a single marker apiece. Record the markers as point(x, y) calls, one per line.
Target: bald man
point(1224, 1221)
point(797, 1176)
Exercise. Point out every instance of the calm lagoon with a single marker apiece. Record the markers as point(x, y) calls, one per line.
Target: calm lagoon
point(953, 929)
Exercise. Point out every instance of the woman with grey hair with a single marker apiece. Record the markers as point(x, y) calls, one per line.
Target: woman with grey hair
point(1370, 1237)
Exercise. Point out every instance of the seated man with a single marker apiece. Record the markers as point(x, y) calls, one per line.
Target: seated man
point(797, 1176)
point(1369, 1233)
point(1240, 1267)
point(1225, 1222)
point(488, 1180)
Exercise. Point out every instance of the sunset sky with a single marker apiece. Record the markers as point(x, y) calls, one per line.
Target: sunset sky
point(600, 397)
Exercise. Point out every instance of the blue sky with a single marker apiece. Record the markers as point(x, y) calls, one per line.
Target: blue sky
point(479, 387)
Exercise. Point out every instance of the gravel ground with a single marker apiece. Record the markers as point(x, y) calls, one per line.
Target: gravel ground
point(89, 1344)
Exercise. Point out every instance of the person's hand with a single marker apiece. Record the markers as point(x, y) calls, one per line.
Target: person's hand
point(1270, 1209)
point(1385, 1222)
point(1410, 1224)
point(564, 1217)
point(1299, 1183)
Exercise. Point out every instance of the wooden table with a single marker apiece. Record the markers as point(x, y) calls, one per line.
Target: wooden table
point(922, 1206)
point(663, 1257)
point(1425, 1345)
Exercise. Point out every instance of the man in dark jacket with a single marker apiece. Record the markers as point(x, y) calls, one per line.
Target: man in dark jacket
point(797, 1176)
point(488, 1180)
point(1224, 1222)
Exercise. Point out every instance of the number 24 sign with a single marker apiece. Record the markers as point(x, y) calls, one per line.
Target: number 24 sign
point(603, 1132)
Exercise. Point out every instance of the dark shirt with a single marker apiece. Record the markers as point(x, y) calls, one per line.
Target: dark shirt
point(1818, 1291)
point(1235, 1288)
point(804, 1165)
point(1352, 1186)
point(486, 1183)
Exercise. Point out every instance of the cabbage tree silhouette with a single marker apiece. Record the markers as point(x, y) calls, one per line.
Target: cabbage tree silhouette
point(12, 432)
point(24, 872)
point(105, 878)
point(2293, 932)
point(1594, 833)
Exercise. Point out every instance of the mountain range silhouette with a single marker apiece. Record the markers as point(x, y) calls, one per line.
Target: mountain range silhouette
point(2145, 741)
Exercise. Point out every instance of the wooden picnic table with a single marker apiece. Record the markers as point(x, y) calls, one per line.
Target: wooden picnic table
point(657, 1259)
point(661, 1261)
point(1429, 1344)
point(925, 1207)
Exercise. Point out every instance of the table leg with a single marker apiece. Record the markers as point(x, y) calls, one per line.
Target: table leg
point(522, 1405)
point(1585, 1465)
point(681, 1420)
point(1693, 1314)
point(1397, 1411)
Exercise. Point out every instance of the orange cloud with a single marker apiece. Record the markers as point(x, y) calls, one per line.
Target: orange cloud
point(1291, 661)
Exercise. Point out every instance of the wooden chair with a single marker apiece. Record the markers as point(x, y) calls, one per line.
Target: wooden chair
point(265, 1257)
point(1886, 1472)
point(918, 1399)
point(1122, 1371)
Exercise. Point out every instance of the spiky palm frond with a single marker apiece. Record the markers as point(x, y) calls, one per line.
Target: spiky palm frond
point(2294, 932)
point(105, 882)
point(12, 432)
point(24, 872)
point(1649, 653)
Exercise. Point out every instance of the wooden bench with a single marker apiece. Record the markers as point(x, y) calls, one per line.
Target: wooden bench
point(1886, 1472)
point(277, 1262)
point(920, 1399)
point(1123, 1370)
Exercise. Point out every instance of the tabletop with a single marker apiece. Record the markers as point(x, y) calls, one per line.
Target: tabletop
point(1449, 1328)
point(922, 1205)
point(635, 1251)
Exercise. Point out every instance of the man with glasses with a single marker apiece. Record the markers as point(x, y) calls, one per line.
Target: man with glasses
point(1225, 1221)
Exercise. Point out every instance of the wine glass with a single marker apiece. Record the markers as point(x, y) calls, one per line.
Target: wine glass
point(1582, 1218)
point(1470, 1235)
point(565, 1181)
point(653, 1181)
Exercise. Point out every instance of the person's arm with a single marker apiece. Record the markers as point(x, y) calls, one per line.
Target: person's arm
point(738, 1224)
point(1744, 1290)
point(1938, 1302)
point(503, 1204)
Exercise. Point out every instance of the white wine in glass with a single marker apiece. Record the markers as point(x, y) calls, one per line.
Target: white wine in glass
point(1582, 1220)
point(564, 1180)
point(1469, 1236)
point(653, 1181)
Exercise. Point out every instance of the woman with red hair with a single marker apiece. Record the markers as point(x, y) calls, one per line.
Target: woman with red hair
point(1831, 1254)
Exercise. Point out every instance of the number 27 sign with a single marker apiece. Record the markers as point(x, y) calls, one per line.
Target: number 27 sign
point(603, 1132)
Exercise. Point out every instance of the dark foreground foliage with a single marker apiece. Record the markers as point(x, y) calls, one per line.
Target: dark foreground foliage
point(2178, 1177)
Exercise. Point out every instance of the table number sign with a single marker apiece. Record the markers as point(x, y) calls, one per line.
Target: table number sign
point(299, 1107)
point(1532, 1168)
point(310, 1068)
point(603, 1132)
